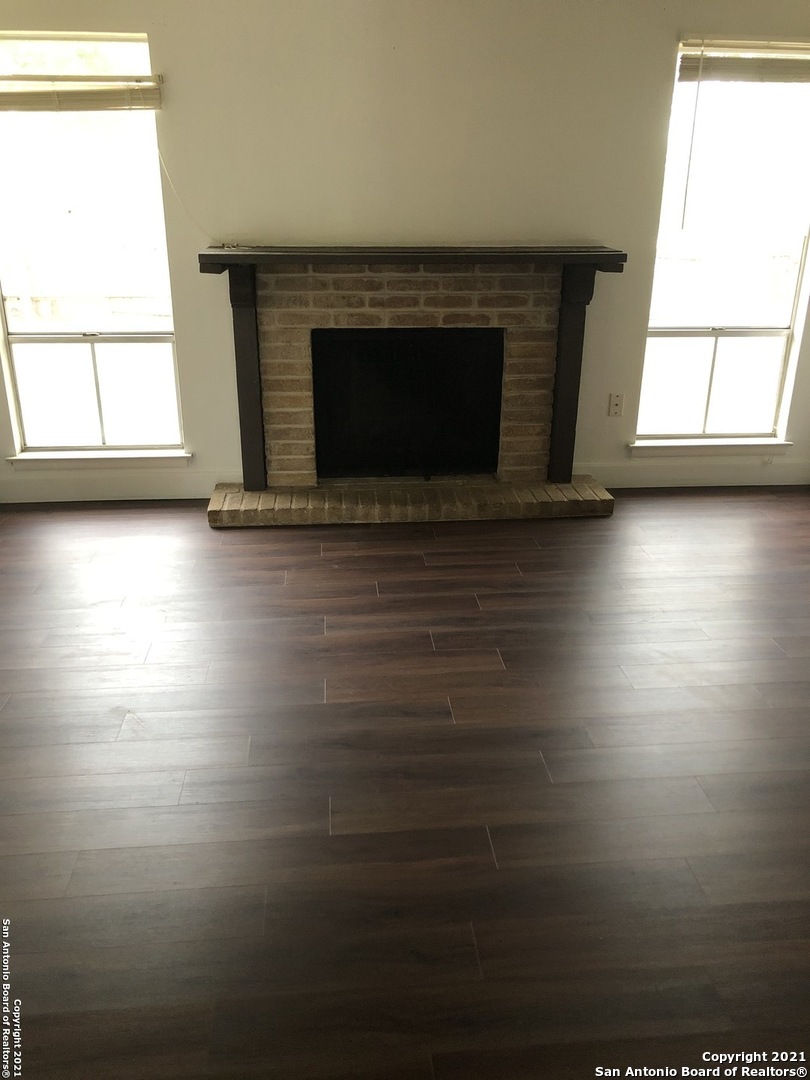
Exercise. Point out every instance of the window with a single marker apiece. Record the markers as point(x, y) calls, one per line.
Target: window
point(731, 245)
point(87, 325)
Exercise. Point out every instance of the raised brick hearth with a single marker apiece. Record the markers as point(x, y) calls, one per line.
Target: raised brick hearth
point(537, 296)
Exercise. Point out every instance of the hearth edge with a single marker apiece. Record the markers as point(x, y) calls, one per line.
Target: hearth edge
point(397, 500)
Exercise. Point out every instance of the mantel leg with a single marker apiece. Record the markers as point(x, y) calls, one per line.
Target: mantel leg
point(577, 291)
point(242, 280)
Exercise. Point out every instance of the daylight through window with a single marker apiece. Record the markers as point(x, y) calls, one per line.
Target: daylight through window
point(731, 244)
point(88, 332)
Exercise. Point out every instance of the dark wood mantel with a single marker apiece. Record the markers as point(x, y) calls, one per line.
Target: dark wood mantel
point(579, 267)
point(216, 259)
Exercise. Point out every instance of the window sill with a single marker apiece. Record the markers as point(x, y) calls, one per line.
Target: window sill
point(706, 447)
point(100, 459)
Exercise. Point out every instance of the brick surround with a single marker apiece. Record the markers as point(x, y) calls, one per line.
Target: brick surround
point(292, 300)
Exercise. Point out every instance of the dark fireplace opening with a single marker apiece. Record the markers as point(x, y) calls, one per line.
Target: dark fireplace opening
point(407, 402)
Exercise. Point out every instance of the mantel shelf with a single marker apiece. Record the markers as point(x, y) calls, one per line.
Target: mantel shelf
point(215, 260)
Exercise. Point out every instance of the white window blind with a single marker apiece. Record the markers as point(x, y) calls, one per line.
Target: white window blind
point(78, 93)
point(724, 61)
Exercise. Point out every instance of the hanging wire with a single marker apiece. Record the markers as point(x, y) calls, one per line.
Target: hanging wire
point(182, 204)
point(692, 136)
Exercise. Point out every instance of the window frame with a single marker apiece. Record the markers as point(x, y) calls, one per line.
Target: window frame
point(90, 339)
point(691, 55)
point(81, 93)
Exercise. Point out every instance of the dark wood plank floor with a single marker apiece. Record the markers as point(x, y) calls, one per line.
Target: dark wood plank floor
point(497, 800)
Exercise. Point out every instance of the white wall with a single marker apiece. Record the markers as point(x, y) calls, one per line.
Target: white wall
point(413, 121)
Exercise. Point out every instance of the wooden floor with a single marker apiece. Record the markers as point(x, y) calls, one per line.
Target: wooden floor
point(464, 801)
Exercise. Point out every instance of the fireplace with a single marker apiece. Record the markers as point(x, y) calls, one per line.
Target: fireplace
point(298, 457)
point(407, 402)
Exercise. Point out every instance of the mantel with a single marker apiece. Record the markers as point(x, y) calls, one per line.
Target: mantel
point(215, 260)
point(578, 265)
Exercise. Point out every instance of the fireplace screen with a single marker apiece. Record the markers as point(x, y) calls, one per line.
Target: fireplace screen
point(410, 402)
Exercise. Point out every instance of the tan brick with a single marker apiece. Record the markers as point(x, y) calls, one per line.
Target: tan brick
point(525, 413)
point(364, 506)
point(282, 508)
point(291, 462)
point(519, 335)
point(417, 318)
point(554, 283)
point(317, 515)
point(542, 302)
point(522, 460)
point(522, 383)
point(292, 479)
point(522, 318)
point(519, 283)
point(250, 507)
point(505, 268)
point(358, 319)
point(467, 283)
point(283, 448)
point(287, 401)
point(284, 354)
point(358, 284)
point(228, 517)
point(294, 417)
point(339, 268)
point(217, 501)
point(278, 384)
point(465, 318)
point(534, 350)
point(285, 300)
point(382, 498)
point(448, 300)
point(399, 300)
point(275, 370)
point(298, 282)
point(528, 367)
point(520, 446)
point(532, 398)
point(522, 474)
point(451, 506)
point(304, 318)
point(334, 506)
point(338, 300)
point(275, 434)
point(278, 335)
point(539, 492)
point(398, 509)
point(510, 430)
point(418, 507)
point(502, 300)
point(394, 268)
point(299, 508)
point(449, 268)
point(290, 433)
point(422, 284)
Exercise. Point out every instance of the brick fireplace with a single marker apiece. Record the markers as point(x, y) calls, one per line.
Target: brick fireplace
point(536, 296)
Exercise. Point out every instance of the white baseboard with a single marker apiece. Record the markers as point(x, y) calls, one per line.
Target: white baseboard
point(104, 485)
point(697, 472)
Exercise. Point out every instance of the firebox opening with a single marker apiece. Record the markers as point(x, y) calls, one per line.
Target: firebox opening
point(407, 402)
